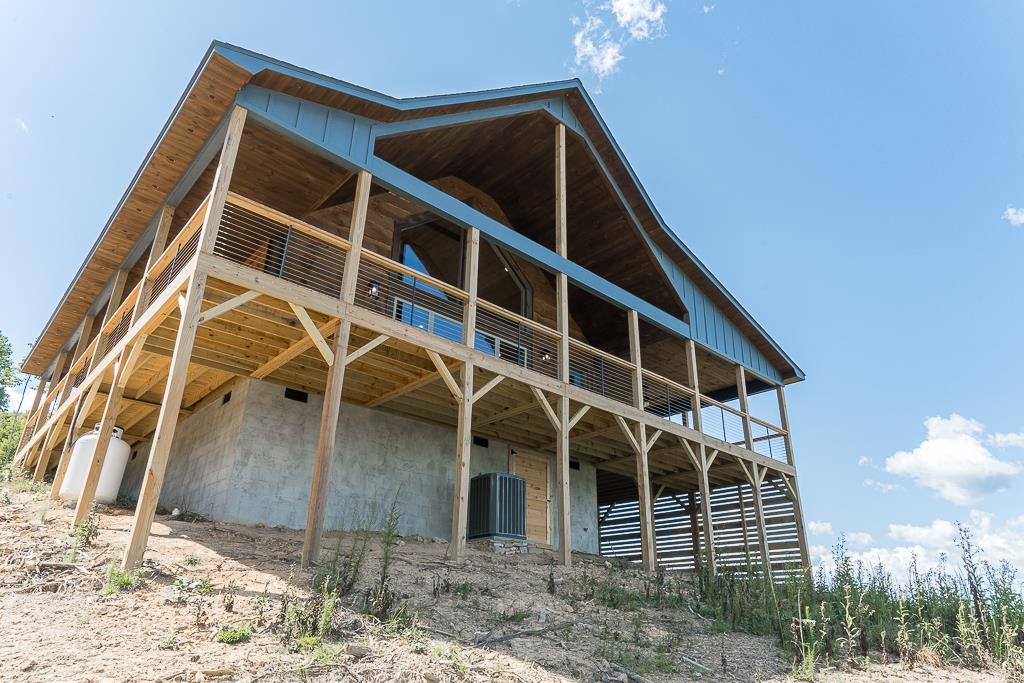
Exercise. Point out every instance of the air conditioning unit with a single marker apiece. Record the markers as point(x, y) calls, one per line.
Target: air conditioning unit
point(497, 506)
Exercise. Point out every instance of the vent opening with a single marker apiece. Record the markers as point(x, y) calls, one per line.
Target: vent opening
point(296, 395)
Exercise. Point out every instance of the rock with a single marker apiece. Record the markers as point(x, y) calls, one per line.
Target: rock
point(435, 539)
point(431, 676)
point(356, 650)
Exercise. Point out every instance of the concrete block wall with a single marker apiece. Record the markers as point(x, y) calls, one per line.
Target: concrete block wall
point(251, 460)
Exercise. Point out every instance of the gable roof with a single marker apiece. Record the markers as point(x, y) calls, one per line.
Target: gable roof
point(226, 69)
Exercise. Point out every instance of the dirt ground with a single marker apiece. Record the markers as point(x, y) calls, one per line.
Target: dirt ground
point(57, 622)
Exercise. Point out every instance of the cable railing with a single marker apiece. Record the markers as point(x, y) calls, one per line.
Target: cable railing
point(600, 373)
point(667, 399)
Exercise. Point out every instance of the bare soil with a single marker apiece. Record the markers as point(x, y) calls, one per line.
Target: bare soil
point(58, 622)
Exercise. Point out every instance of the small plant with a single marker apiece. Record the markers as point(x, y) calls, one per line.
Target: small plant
point(234, 634)
point(382, 601)
point(122, 582)
point(190, 561)
point(262, 605)
point(87, 531)
point(228, 597)
point(200, 608)
point(463, 589)
point(171, 641)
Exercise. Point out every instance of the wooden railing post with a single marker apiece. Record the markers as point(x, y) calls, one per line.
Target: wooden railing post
point(691, 372)
point(643, 479)
point(464, 430)
point(780, 394)
point(562, 292)
point(321, 480)
point(741, 389)
point(222, 180)
point(156, 248)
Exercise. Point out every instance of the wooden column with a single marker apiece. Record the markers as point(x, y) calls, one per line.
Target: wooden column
point(222, 180)
point(562, 293)
point(464, 432)
point(156, 248)
point(167, 421)
point(321, 481)
point(116, 295)
point(84, 338)
point(122, 371)
point(792, 486)
point(691, 372)
point(643, 478)
point(44, 453)
point(705, 508)
point(755, 476)
point(25, 434)
point(741, 389)
point(691, 501)
point(780, 394)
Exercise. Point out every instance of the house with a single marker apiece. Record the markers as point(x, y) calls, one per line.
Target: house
point(314, 296)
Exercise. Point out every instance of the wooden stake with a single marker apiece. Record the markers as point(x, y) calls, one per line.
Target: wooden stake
point(167, 420)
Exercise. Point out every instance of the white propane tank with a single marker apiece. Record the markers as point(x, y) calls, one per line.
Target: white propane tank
point(114, 463)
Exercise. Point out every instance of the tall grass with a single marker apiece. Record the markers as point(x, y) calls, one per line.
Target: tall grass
point(970, 614)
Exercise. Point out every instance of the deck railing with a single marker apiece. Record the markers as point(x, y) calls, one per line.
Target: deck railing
point(266, 240)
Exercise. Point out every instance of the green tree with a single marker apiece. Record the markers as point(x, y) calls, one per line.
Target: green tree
point(11, 424)
point(8, 375)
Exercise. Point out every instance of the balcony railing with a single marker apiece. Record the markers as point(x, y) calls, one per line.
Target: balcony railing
point(266, 240)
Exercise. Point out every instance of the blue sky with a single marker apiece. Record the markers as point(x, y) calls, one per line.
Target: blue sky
point(848, 169)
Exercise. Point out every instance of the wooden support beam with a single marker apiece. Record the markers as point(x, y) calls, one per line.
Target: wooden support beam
point(628, 433)
point(122, 371)
point(741, 388)
point(641, 445)
point(156, 248)
point(229, 305)
point(465, 396)
point(482, 391)
point(167, 420)
point(222, 181)
point(653, 440)
point(320, 485)
point(562, 292)
point(798, 513)
point(116, 295)
point(445, 374)
point(578, 416)
point(82, 409)
point(562, 457)
point(755, 476)
point(743, 523)
point(366, 348)
point(549, 412)
point(325, 449)
point(691, 373)
point(314, 333)
point(705, 507)
point(83, 338)
point(294, 351)
point(406, 388)
point(507, 413)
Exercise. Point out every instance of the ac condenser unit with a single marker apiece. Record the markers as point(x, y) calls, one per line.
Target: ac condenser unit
point(497, 506)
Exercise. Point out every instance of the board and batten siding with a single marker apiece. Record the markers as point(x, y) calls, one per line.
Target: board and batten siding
point(709, 326)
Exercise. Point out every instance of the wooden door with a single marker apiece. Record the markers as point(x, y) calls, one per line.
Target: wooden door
point(535, 470)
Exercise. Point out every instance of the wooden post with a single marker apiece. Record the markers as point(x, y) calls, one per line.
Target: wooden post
point(705, 508)
point(222, 180)
point(116, 294)
point(83, 339)
point(741, 389)
point(756, 477)
point(743, 524)
point(643, 478)
point(464, 432)
point(318, 494)
point(798, 513)
point(156, 248)
point(167, 421)
point(780, 394)
point(691, 501)
point(44, 453)
point(562, 292)
point(321, 482)
point(25, 435)
point(110, 412)
point(691, 371)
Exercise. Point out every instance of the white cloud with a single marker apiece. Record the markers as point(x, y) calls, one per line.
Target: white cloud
point(820, 528)
point(864, 461)
point(939, 535)
point(14, 398)
point(23, 126)
point(1006, 440)
point(595, 48)
point(860, 539)
point(707, 9)
point(881, 486)
point(953, 462)
point(642, 18)
point(605, 29)
point(1014, 215)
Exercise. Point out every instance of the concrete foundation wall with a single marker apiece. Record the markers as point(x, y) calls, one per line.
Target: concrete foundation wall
point(251, 461)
